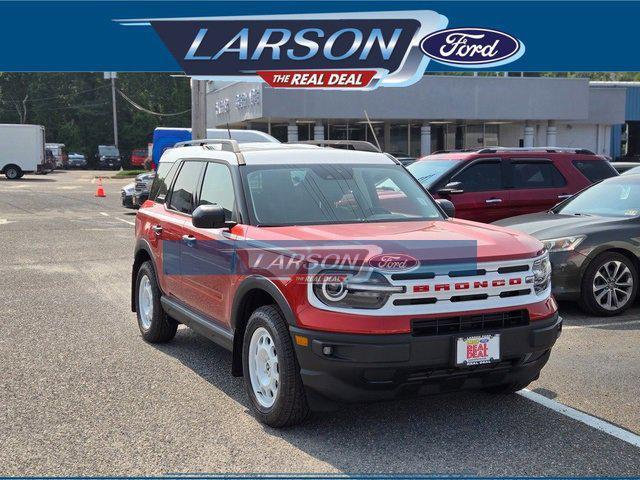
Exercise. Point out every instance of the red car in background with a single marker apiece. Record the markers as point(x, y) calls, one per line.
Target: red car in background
point(138, 157)
point(494, 183)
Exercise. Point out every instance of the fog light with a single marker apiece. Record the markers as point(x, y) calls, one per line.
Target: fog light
point(327, 350)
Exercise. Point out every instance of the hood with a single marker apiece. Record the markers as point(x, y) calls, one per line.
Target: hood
point(547, 225)
point(489, 242)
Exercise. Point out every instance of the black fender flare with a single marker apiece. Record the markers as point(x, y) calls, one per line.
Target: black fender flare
point(257, 282)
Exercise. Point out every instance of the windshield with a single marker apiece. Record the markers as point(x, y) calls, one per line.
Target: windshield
point(334, 193)
point(429, 172)
point(617, 198)
point(108, 150)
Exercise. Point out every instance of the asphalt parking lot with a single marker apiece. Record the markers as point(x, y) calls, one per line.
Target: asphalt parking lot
point(82, 394)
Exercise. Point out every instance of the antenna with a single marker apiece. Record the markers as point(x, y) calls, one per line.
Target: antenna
point(375, 137)
point(228, 130)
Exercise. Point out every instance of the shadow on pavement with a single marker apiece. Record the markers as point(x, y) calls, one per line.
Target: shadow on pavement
point(501, 435)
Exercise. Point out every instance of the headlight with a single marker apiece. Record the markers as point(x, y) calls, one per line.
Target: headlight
point(337, 288)
point(563, 244)
point(541, 274)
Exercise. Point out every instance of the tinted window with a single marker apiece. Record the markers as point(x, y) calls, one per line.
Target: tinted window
point(217, 188)
point(185, 187)
point(536, 175)
point(332, 193)
point(480, 177)
point(595, 170)
point(160, 186)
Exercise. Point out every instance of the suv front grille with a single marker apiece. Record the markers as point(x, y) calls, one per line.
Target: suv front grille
point(469, 323)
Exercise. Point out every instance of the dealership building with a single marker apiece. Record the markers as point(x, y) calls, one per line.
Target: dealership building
point(437, 113)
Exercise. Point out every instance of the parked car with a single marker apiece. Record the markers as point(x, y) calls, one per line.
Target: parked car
point(495, 183)
point(132, 193)
point(77, 160)
point(332, 326)
point(166, 137)
point(59, 154)
point(138, 157)
point(592, 240)
point(142, 187)
point(126, 195)
point(22, 150)
point(109, 157)
point(623, 167)
point(404, 159)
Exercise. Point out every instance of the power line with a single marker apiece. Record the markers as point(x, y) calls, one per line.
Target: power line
point(150, 112)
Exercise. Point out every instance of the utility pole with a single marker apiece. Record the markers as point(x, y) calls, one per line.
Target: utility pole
point(115, 111)
point(198, 109)
point(112, 76)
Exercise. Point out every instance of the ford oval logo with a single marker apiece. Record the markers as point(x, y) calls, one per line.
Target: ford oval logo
point(393, 262)
point(472, 47)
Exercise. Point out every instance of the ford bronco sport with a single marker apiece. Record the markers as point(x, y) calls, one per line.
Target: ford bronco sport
point(333, 276)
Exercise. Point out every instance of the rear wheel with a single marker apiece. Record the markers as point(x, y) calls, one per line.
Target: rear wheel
point(155, 325)
point(271, 371)
point(13, 172)
point(609, 285)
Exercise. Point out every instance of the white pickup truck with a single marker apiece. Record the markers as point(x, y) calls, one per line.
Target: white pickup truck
point(21, 150)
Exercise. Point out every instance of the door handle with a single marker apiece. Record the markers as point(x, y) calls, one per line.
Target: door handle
point(189, 239)
point(564, 196)
point(157, 229)
point(493, 200)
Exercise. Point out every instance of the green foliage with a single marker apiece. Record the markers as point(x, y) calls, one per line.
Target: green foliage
point(75, 108)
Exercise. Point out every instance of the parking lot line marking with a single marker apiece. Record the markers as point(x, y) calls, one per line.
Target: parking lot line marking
point(125, 221)
point(596, 325)
point(104, 213)
point(593, 422)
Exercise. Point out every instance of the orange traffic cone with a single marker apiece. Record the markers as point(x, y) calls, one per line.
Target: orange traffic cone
point(100, 190)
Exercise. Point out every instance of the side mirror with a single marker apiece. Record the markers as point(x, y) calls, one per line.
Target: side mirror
point(208, 216)
point(451, 188)
point(448, 207)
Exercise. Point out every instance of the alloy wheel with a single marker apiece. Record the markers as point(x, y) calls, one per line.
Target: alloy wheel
point(612, 285)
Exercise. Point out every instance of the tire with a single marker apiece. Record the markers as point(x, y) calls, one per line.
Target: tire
point(289, 403)
point(154, 324)
point(12, 172)
point(596, 296)
point(21, 174)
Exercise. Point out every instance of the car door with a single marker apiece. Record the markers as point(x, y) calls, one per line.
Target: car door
point(208, 255)
point(179, 206)
point(536, 185)
point(483, 196)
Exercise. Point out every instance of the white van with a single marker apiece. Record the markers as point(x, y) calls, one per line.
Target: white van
point(21, 149)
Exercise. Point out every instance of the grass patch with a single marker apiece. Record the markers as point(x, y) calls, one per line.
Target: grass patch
point(129, 173)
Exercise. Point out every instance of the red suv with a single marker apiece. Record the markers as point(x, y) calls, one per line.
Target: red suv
point(495, 183)
point(333, 276)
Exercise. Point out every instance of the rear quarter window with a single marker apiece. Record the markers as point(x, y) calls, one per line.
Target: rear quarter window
point(595, 170)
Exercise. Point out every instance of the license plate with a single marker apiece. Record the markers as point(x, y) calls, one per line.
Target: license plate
point(478, 350)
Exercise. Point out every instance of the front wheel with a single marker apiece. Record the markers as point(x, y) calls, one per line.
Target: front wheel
point(609, 285)
point(271, 372)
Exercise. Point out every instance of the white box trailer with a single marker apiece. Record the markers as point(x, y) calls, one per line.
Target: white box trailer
point(21, 149)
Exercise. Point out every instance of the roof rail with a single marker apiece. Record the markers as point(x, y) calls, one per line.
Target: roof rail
point(460, 150)
point(359, 145)
point(582, 151)
point(227, 144)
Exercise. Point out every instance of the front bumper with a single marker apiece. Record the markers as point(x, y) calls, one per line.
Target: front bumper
point(566, 274)
point(380, 367)
point(127, 200)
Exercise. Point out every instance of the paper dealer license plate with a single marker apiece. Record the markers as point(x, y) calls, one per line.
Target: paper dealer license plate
point(478, 349)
